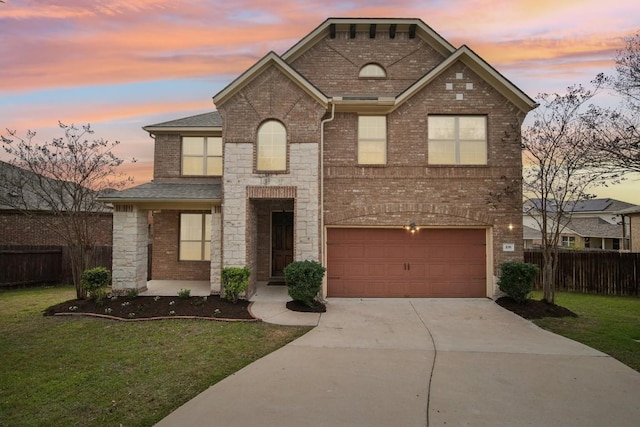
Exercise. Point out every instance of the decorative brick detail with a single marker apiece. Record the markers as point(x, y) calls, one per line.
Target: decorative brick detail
point(270, 192)
point(460, 215)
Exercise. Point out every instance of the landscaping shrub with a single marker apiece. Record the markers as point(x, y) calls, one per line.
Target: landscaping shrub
point(235, 281)
point(516, 280)
point(184, 293)
point(304, 280)
point(95, 282)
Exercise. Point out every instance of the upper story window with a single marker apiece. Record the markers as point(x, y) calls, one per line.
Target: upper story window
point(374, 71)
point(272, 147)
point(202, 155)
point(372, 140)
point(457, 140)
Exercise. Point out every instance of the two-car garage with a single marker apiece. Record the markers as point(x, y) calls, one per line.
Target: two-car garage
point(392, 262)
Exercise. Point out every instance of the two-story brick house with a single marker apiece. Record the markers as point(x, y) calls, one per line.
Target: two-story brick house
point(372, 145)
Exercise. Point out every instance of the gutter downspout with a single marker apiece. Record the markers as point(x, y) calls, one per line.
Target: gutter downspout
point(323, 236)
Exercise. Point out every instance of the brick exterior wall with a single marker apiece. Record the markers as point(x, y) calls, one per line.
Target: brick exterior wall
point(166, 243)
point(20, 229)
point(333, 65)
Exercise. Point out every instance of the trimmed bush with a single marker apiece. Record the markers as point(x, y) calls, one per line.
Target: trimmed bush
point(304, 280)
point(95, 282)
point(516, 280)
point(235, 281)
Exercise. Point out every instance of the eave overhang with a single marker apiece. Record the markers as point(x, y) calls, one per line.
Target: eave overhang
point(391, 25)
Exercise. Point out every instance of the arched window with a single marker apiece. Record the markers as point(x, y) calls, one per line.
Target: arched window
point(372, 71)
point(272, 147)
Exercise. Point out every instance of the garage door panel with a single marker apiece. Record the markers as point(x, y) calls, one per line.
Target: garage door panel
point(393, 263)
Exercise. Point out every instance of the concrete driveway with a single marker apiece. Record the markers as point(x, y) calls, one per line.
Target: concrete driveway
point(422, 362)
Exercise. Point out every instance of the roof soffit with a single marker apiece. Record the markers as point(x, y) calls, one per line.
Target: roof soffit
point(270, 59)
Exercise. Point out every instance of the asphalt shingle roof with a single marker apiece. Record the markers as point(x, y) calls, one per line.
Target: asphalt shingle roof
point(211, 119)
point(153, 191)
point(595, 227)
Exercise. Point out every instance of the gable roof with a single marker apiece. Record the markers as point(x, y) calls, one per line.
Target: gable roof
point(24, 190)
point(270, 59)
point(381, 104)
point(594, 227)
point(200, 122)
point(417, 26)
point(489, 74)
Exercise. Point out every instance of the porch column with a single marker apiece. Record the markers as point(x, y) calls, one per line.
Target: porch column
point(130, 239)
point(216, 250)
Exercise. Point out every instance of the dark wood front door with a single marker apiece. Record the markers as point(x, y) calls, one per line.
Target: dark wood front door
point(281, 242)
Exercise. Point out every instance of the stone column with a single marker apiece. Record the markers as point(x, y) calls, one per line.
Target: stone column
point(130, 239)
point(216, 250)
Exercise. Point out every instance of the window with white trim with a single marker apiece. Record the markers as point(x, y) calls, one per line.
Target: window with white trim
point(202, 155)
point(372, 140)
point(272, 147)
point(457, 140)
point(195, 237)
point(568, 241)
point(374, 71)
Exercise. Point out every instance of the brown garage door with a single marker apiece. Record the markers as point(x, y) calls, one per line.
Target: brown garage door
point(365, 262)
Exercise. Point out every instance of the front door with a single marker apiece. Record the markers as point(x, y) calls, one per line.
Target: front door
point(281, 242)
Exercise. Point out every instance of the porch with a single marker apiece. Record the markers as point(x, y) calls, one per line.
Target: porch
point(200, 288)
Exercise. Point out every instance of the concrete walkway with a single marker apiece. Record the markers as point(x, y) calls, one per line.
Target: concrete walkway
point(422, 362)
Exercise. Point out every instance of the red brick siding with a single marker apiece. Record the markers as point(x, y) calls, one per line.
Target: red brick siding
point(168, 160)
point(166, 243)
point(407, 188)
point(271, 95)
point(20, 229)
point(333, 65)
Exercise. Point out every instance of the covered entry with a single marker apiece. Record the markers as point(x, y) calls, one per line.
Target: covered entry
point(392, 262)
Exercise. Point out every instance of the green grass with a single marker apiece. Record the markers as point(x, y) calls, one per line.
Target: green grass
point(92, 372)
point(609, 324)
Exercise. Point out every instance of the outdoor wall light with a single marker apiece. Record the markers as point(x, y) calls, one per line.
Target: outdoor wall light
point(412, 227)
point(510, 227)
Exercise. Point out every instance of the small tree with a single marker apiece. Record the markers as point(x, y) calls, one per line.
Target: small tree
point(559, 169)
point(618, 129)
point(63, 177)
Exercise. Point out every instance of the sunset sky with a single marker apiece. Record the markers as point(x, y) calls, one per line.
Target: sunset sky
point(124, 64)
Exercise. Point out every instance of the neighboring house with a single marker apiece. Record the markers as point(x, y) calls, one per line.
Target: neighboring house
point(373, 146)
point(594, 224)
point(22, 220)
point(632, 220)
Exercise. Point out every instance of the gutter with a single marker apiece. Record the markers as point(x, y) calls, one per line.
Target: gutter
point(322, 230)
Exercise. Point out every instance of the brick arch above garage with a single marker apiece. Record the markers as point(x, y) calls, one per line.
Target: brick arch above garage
point(398, 213)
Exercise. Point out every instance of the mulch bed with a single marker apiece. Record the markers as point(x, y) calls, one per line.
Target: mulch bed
point(317, 307)
point(534, 309)
point(143, 307)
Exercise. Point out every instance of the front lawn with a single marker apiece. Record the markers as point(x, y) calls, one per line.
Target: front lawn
point(95, 372)
point(609, 324)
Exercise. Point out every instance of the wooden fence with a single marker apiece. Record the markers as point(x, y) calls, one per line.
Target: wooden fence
point(597, 272)
point(34, 265)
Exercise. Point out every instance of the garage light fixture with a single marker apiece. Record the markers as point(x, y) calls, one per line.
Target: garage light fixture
point(412, 227)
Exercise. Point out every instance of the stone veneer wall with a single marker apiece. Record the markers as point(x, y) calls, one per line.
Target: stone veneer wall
point(240, 216)
point(130, 237)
